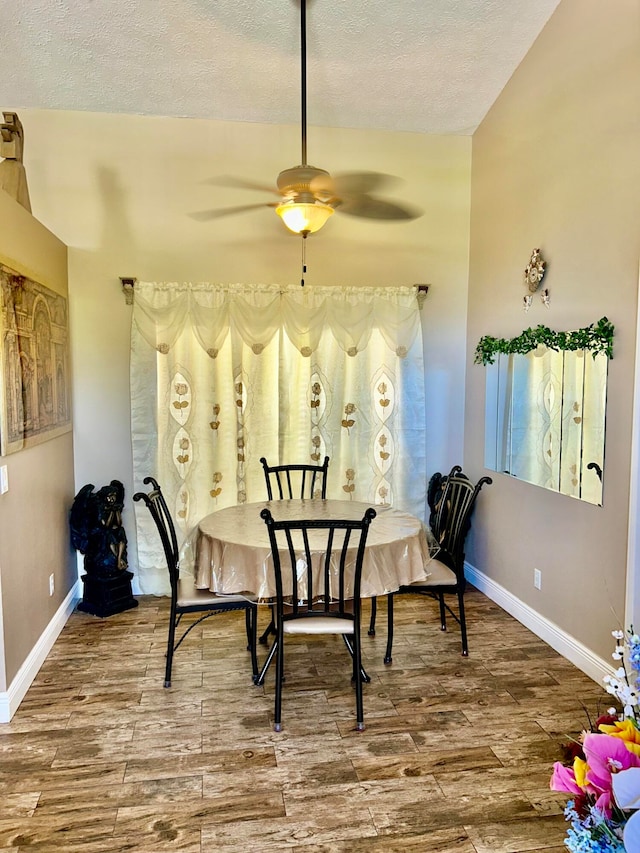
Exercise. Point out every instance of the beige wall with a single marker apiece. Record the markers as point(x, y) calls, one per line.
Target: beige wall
point(34, 535)
point(556, 165)
point(118, 191)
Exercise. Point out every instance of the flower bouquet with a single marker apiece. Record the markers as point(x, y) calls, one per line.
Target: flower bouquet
point(604, 777)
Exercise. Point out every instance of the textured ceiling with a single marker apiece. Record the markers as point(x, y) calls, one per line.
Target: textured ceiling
point(428, 66)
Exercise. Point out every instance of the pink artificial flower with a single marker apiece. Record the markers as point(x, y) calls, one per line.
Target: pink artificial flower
point(606, 755)
point(604, 803)
point(564, 779)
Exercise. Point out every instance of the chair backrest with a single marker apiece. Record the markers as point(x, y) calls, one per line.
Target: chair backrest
point(435, 490)
point(296, 481)
point(159, 510)
point(318, 565)
point(451, 515)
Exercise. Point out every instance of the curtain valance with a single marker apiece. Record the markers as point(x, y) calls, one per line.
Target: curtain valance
point(258, 312)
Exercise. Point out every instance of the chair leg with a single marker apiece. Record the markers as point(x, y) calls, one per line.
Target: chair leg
point(357, 667)
point(277, 715)
point(363, 673)
point(387, 656)
point(355, 675)
point(259, 679)
point(170, 645)
point(443, 615)
point(270, 629)
point(252, 636)
point(463, 624)
point(247, 625)
point(372, 624)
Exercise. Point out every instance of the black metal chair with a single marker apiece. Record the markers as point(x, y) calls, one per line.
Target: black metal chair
point(318, 568)
point(296, 481)
point(185, 597)
point(299, 480)
point(451, 502)
point(434, 493)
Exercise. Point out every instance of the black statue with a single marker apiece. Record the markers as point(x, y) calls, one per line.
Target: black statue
point(97, 532)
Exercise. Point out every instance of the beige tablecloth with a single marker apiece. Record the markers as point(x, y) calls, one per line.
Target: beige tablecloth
point(232, 552)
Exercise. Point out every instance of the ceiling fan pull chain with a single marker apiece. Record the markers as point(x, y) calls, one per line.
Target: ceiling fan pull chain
point(304, 257)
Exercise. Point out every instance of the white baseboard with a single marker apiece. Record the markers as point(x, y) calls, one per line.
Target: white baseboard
point(11, 698)
point(566, 645)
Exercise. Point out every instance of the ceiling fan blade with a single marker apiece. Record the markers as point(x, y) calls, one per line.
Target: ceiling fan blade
point(360, 183)
point(241, 184)
point(206, 215)
point(323, 185)
point(375, 208)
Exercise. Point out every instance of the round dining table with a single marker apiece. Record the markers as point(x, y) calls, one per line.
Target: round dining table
point(231, 551)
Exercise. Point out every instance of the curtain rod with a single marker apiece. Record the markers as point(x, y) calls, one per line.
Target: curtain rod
point(128, 284)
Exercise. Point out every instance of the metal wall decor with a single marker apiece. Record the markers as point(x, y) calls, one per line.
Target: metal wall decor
point(534, 271)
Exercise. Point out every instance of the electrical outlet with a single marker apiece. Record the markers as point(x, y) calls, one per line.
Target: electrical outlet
point(4, 479)
point(52, 584)
point(537, 578)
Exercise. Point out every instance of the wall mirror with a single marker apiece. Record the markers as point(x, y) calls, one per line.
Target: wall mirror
point(545, 409)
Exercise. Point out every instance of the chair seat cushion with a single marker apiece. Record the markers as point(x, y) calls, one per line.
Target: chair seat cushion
point(440, 575)
point(318, 625)
point(189, 596)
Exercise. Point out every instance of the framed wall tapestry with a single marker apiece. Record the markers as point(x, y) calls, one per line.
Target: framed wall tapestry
point(35, 403)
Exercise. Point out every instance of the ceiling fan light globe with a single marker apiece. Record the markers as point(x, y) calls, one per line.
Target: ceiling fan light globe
point(305, 217)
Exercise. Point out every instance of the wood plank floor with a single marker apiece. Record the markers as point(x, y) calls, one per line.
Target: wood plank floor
point(456, 755)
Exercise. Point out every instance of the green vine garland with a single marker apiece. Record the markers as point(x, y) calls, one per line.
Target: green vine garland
point(598, 337)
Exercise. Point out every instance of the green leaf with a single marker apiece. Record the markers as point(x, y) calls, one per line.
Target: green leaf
point(598, 337)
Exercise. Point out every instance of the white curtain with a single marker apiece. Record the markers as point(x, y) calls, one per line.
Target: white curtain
point(222, 375)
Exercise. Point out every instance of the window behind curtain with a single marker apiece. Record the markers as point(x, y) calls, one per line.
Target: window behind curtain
point(221, 376)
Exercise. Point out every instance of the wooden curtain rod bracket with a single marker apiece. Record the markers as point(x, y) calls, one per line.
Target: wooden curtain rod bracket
point(421, 295)
point(128, 285)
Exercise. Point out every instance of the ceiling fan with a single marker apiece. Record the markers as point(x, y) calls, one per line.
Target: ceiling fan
point(309, 195)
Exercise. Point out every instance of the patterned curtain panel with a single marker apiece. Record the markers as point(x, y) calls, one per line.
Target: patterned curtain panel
point(222, 375)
